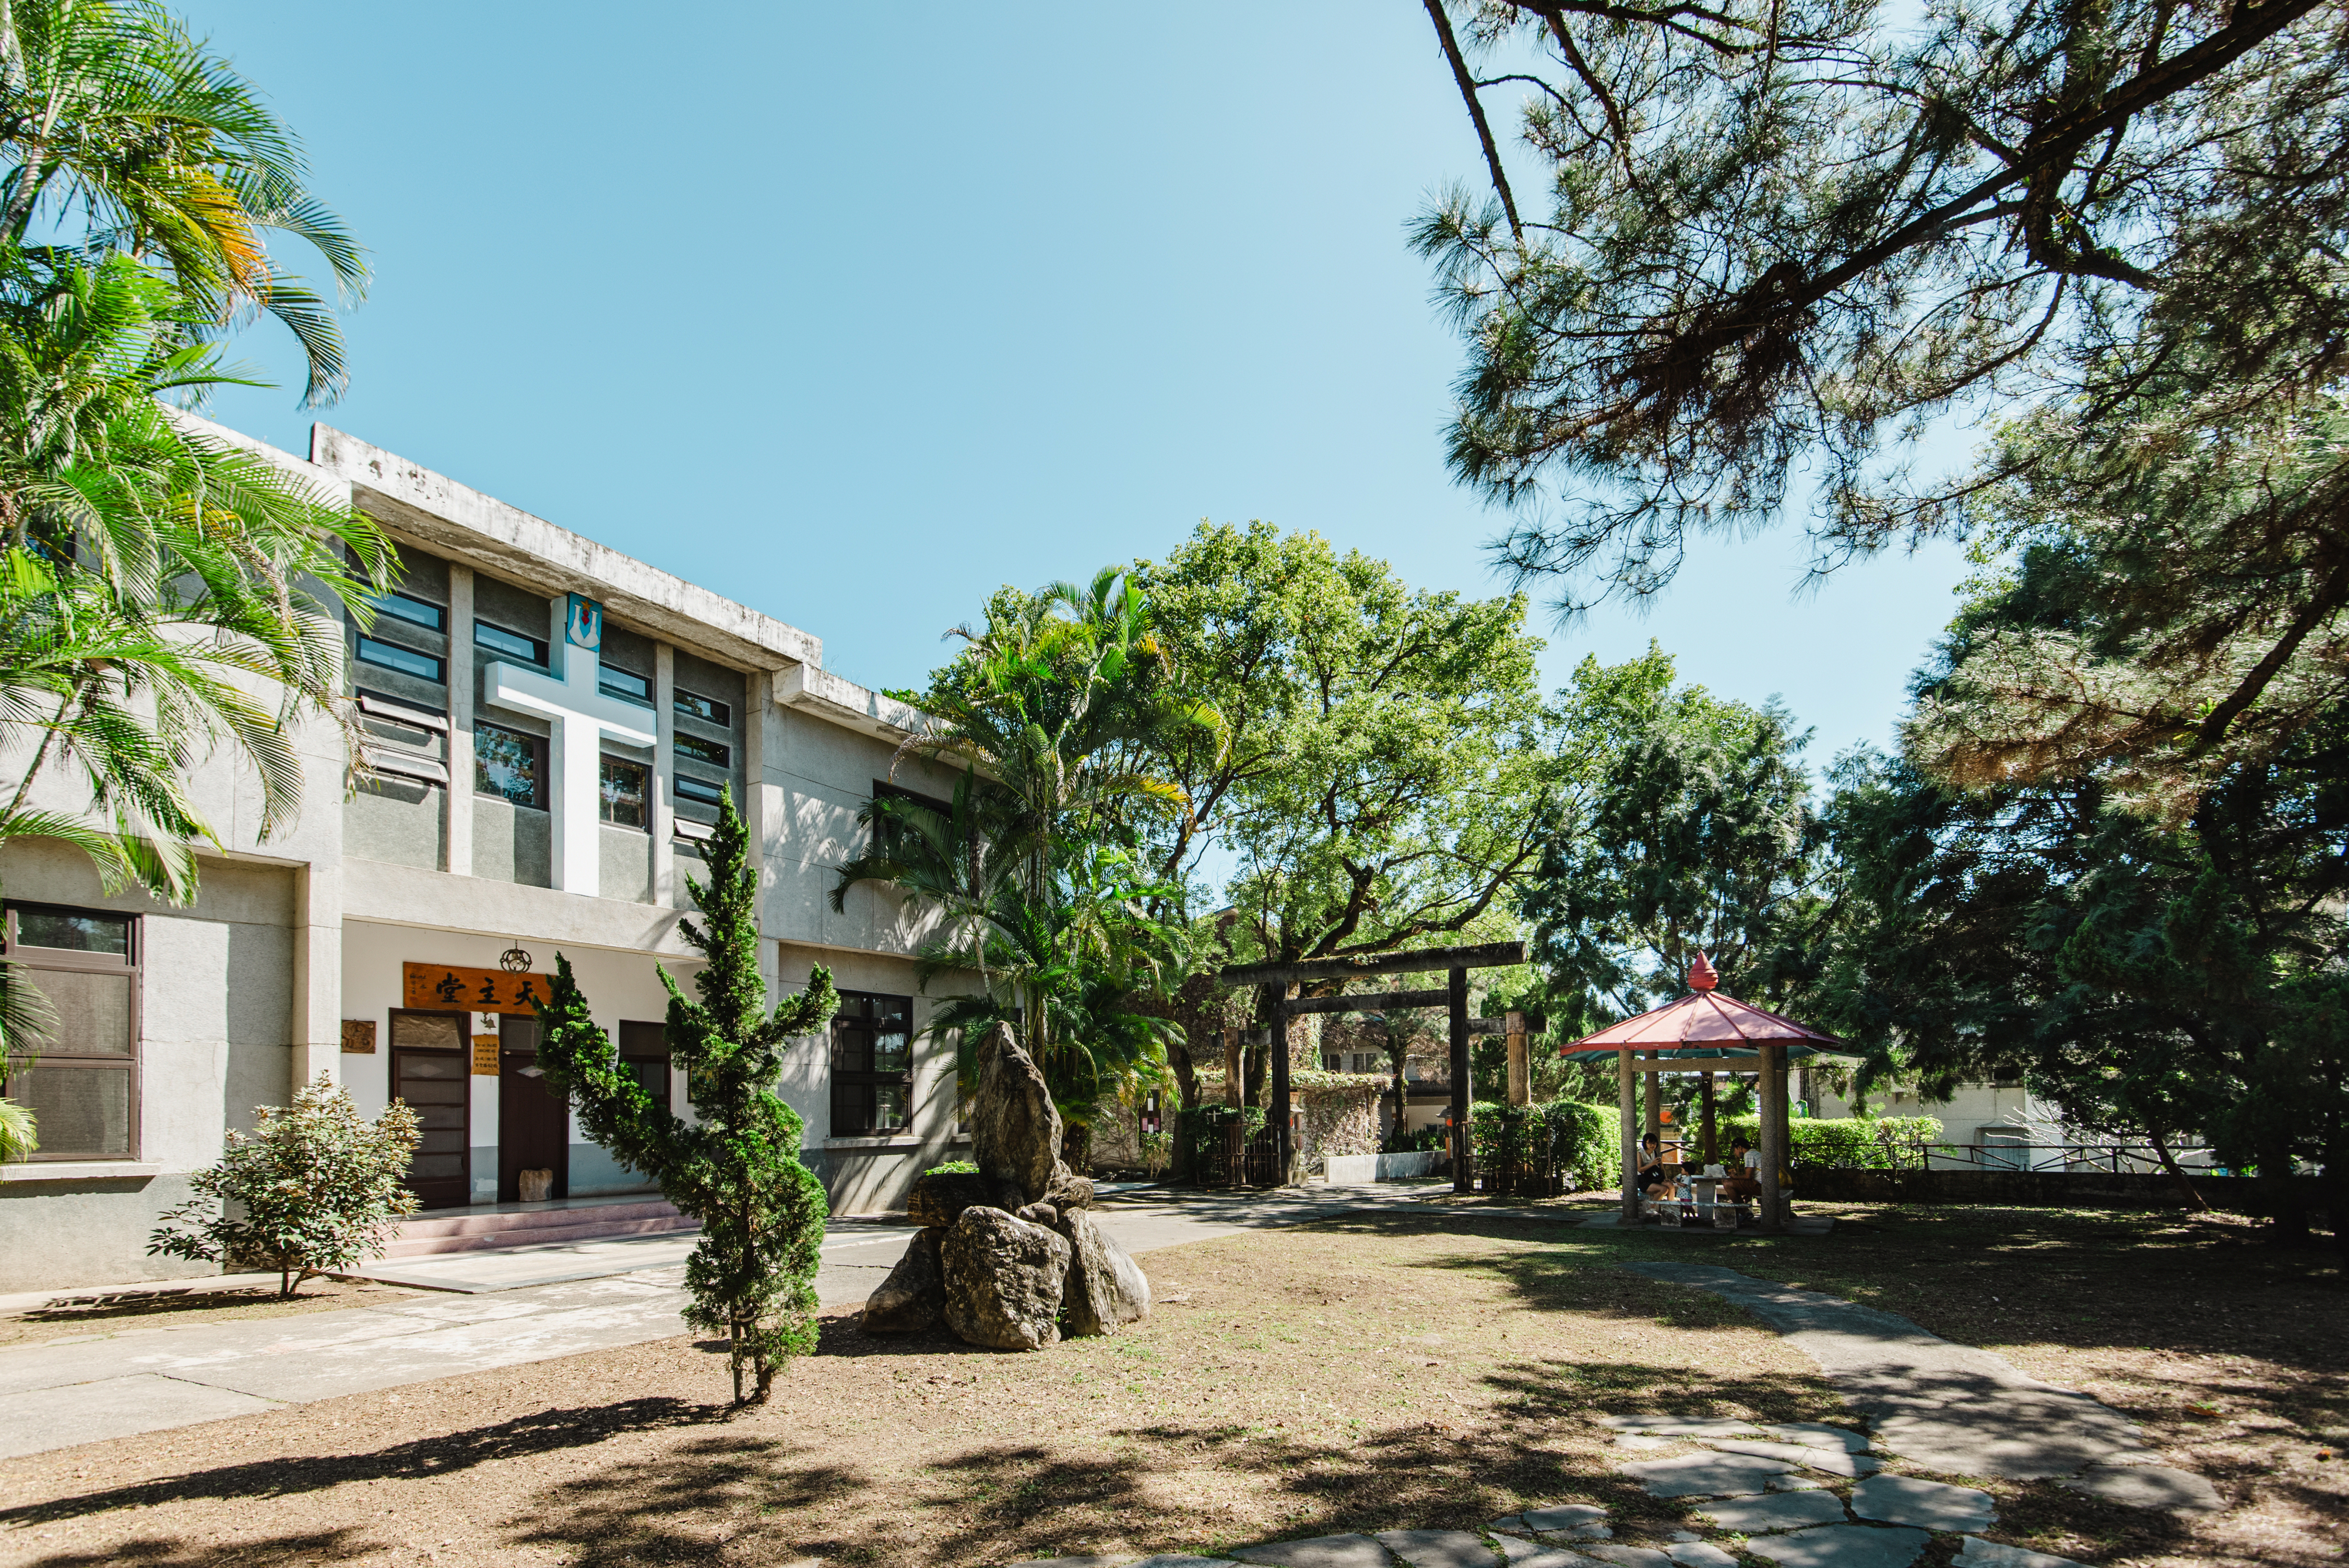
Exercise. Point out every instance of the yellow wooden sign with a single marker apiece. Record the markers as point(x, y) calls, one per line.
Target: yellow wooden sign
point(485, 1055)
point(452, 988)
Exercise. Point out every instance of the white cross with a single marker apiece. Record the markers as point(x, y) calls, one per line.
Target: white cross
point(580, 715)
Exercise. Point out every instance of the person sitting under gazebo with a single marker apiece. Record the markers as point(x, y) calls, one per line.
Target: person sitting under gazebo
point(1745, 1161)
point(1653, 1178)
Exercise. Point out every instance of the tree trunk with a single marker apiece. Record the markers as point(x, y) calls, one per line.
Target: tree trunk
point(1077, 1147)
point(2176, 1172)
point(2280, 1194)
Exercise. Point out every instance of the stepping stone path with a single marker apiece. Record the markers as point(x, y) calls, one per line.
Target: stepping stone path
point(1775, 1491)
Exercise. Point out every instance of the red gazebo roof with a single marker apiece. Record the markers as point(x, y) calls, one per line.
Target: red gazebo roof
point(1705, 1022)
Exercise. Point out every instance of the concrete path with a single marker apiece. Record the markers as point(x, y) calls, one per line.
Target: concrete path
point(1953, 1408)
point(472, 1311)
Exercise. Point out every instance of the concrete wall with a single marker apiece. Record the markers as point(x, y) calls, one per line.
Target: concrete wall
point(215, 1044)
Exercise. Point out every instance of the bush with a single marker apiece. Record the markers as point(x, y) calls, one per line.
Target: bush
point(1566, 1138)
point(318, 1189)
point(954, 1168)
point(1849, 1144)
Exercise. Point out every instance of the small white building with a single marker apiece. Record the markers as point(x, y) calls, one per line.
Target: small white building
point(554, 722)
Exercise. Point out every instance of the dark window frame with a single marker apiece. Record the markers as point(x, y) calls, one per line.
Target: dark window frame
point(367, 643)
point(394, 602)
point(862, 1099)
point(538, 644)
point(604, 672)
point(679, 782)
point(644, 794)
point(701, 749)
point(719, 714)
point(538, 751)
point(640, 1052)
point(61, 958)
point(882, 788)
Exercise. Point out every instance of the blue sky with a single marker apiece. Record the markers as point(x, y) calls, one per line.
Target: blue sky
point(852, 313)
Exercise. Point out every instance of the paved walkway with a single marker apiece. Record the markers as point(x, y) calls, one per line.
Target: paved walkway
point(467, 1312)
point(1805, 1494)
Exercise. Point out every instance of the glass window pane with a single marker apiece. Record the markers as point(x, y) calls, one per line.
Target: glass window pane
point(889, 1106)
point(93, 1011)
point(505, 764)
point(893, 1051)
point(851, 1109)
point(707, 709)
point(74, 932)
point(688, 787)
point(702, 750)
point(621, 800)
point(78, 1110)
point(615, 682)
point(513, 644)
point(414, 610)
point(392, 656)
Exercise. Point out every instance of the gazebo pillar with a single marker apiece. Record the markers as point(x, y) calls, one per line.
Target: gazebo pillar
point(1630, 1109)
point(1770, 1094)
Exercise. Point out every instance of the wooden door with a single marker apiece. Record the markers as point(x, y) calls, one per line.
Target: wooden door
point(533, 1123)
point(430, 1069)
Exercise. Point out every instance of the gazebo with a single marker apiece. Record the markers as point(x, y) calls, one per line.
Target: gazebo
point(1706, 1031)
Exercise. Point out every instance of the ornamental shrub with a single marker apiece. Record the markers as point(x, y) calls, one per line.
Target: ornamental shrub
point(317, 1189)
point(1848, 1143)
point(737, 1167)
point(1568, 1138)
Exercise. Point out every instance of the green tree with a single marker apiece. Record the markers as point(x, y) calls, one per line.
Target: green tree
point(1694, 834)
point(736, 1167)
point(1784, 236)
point(1383, 760)
point(120, 133)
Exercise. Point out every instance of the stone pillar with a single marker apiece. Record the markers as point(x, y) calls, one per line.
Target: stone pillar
point(1771, 1091)
point(1710, 1152)
point(457, 837)
point(1655, 1097)
point(1521, 1090)
point(1630, 1109)
point(316, 1025)
point(1284, 1139)
point(1462, 1148)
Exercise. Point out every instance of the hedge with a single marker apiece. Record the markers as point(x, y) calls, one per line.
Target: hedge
point(1565, 1135)
point(1848, 1143)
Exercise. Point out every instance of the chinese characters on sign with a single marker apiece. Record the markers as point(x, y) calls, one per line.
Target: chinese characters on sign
point(358, 1037)
point(485, 1055)
point(446, 987)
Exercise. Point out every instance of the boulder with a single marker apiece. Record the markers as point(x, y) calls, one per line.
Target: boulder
point(1042, 1214)
point(913, 1296)
point(1015, 1130)
point(1003, 1280)
point(940, 1200)
point(1105, 1289)
point(1068, 1190)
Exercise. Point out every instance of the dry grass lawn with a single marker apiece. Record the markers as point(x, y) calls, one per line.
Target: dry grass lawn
point(1360, 1374)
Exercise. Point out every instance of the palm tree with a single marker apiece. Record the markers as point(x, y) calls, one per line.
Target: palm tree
point(121, 133)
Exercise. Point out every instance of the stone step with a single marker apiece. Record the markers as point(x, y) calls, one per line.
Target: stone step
point(444, 1231)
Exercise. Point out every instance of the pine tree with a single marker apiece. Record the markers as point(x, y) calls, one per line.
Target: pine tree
point(737, 1167)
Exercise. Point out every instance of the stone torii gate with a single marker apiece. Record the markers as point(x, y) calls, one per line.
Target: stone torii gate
point(1453, 963)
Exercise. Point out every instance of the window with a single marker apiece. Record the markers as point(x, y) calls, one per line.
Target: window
point(626, 684)
point(707, 709)
point(407, 661)
point(644, 1055)
point(416, 611)
point(84, 1087)
point(702, 791)
point(702, 750)
point(885, 832)
point(514, 644)
point(507, 764)
point(872, 1064)
point(621, 800)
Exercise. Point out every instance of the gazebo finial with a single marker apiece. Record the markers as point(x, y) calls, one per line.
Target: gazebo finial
point(1702, 976)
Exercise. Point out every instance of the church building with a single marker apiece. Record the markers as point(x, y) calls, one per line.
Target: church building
point(550, 725)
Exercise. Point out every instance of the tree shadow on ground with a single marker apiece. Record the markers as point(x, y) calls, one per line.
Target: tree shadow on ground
point(283, 1552)
point(541, 1432)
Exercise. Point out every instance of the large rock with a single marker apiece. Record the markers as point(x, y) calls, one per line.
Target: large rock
point(1068, 1190)
point(1106, 1289)
point(1004, 1279)
point(940, 1200)
point(1015, 1130)
point(913, 1296)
